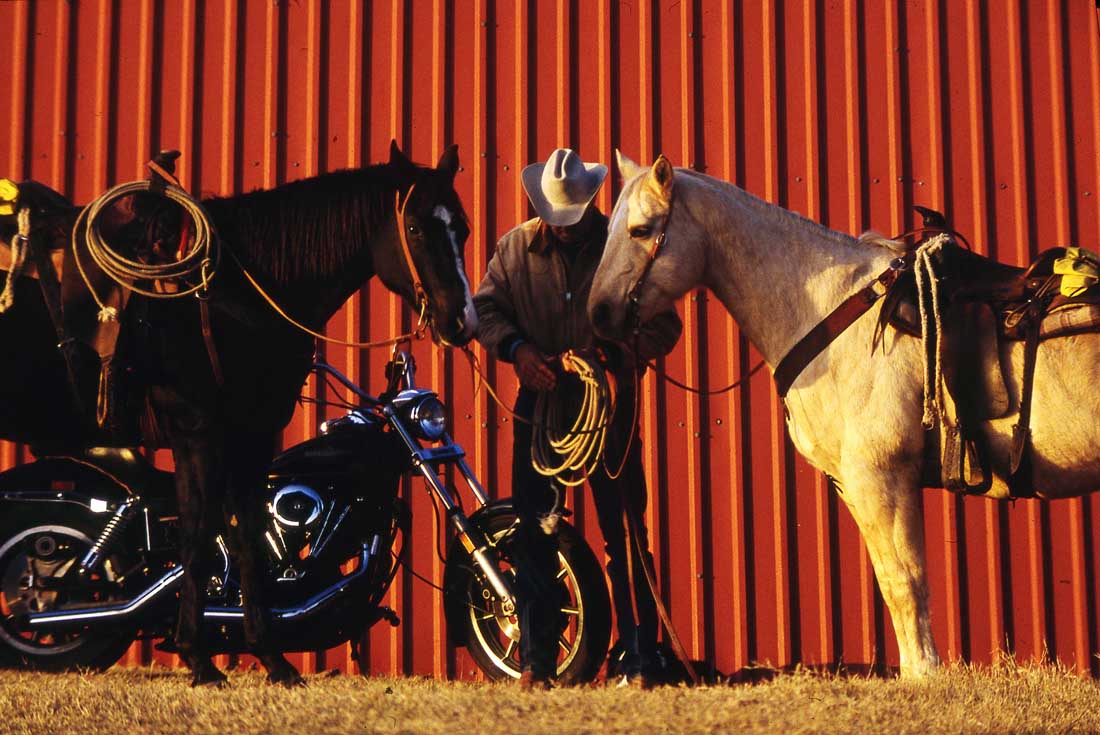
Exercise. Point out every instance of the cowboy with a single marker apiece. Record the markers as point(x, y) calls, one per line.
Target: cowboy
point(531, 308)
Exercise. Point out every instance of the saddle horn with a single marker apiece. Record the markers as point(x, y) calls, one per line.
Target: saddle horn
point(931, 217)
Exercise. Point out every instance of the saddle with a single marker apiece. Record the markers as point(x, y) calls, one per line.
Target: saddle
point(91, 345)
point(981, 304)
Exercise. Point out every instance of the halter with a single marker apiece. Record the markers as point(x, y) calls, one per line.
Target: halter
point(399, 206)
point(634, 294)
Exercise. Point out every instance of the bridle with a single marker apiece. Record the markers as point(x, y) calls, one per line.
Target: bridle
point(399, 206)
point(634, 295)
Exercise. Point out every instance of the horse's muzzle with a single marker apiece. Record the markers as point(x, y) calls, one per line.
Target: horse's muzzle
point(464, 331)
point(602, 315)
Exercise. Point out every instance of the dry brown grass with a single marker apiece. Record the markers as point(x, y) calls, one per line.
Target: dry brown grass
point(1003, 699)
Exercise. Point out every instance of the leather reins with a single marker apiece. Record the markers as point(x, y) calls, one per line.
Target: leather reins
point(423, 321)
point(633, 522)
point(634, 298)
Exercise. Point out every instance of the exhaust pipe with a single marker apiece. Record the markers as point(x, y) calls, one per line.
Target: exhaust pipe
point(80, 617)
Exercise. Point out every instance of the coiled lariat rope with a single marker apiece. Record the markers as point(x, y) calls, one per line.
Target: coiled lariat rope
point(931, 327)
point(570, 455)
point(191, 272)
point(19, 246)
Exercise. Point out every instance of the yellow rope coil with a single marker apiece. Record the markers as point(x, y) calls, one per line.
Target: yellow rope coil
point(570, 455)
point(192, 272)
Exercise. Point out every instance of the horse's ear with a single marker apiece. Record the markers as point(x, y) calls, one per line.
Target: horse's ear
point(448, 162)
point(662, 174)
point(627, 167)
point(397, 157)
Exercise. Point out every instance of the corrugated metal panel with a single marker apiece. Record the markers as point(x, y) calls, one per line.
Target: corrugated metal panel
point(848, 112)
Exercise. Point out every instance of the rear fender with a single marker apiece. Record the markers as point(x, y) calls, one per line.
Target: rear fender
point(61, 480)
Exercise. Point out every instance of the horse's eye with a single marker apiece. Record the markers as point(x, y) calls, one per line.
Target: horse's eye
point(641, 232)
point(414, 230)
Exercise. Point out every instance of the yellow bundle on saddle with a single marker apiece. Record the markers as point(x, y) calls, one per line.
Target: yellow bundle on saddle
point(1079, 269)
point(9, 194)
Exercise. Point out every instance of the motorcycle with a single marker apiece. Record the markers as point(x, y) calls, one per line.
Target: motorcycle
point(89, 555)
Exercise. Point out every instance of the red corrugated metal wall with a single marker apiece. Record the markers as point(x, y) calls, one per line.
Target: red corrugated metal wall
point(847, 111)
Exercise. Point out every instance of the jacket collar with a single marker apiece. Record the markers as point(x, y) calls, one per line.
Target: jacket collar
point(543, 243)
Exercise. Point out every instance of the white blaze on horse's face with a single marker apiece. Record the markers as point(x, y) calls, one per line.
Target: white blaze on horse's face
point(469, 314)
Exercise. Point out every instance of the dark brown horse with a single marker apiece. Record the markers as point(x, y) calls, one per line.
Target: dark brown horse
point(310, 244)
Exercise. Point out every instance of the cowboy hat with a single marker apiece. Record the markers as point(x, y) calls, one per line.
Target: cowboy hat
point(561, 188)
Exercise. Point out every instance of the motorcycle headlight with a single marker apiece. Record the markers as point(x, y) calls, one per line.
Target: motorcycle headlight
point(428, 418)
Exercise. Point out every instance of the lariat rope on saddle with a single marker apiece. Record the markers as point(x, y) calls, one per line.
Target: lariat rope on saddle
point(924, 270)
point(19, 246)
point(191, 273)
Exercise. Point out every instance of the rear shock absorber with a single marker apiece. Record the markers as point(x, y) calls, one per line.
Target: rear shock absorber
point(116, 524)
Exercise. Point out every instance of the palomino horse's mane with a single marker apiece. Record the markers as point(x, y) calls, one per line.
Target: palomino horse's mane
point(788, 219)
point(308, 228)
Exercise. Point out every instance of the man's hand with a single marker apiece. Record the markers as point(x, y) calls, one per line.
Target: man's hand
point(532, 369)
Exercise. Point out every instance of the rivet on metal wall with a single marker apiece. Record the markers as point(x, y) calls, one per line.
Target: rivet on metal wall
point(1088, 193)
point(469, 416)
point(718, 421)
point(1004, 186)
point(506, 167)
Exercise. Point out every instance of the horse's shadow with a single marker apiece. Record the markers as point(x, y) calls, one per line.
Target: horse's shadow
point(674, 673)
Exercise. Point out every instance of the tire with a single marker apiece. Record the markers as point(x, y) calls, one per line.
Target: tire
point(48, 545)
point(492, 638)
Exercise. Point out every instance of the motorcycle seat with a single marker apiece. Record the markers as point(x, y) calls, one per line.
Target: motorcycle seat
point(132, 469)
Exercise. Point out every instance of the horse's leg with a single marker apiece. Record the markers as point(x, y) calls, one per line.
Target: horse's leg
point(249, 459)
point(887, 508)
point(195, 462)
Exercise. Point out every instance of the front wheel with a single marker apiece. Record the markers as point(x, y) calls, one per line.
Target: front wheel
point(492, 636)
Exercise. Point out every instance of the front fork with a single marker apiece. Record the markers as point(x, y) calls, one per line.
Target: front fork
point(425, 461)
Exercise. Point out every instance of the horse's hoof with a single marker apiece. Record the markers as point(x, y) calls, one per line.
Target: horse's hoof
point(288, 678)
point(210, 680)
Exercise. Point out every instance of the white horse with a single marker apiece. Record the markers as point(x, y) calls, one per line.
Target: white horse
point(854, 413)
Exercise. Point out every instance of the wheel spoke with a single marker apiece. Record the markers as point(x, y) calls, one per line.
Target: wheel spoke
point(509, 650)
point(571, 610)
point(565, 644)
point(562, 573)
